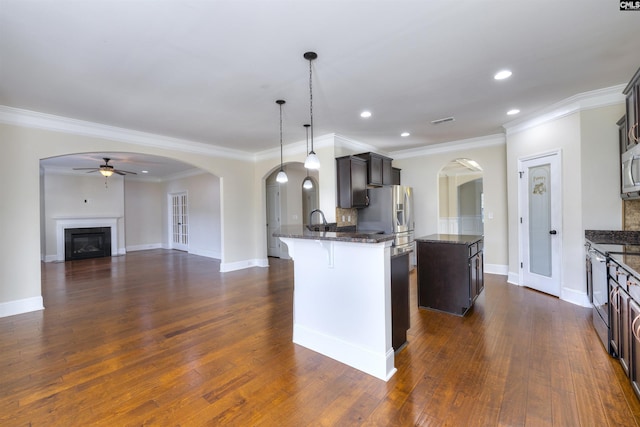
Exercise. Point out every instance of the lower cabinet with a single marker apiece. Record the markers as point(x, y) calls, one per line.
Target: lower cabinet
point(634, 361)
point(450, 272)
point(620, 323)
point(400, 322)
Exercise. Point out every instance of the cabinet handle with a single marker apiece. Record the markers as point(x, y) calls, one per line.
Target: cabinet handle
point(632, 131)
point(621, 273)
point(632, 283)
point(614, 300)
point(636, 331)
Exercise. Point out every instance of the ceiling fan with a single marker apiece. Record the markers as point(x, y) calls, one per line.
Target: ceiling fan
point(106, 170)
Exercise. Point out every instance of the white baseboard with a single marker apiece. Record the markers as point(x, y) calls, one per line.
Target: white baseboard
point(206, 253)
point(20, 306)
point(513, 278)
point(575, 297)
point(239, 265)
point(144, 247)
point(500, 269)
point(377, 364)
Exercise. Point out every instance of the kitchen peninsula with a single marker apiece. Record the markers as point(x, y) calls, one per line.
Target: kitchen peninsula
point(342, 296)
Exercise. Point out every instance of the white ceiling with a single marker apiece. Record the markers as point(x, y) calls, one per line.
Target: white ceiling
point(210, 71)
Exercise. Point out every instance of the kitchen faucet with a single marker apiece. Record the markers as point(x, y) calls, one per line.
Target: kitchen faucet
point(324, 221)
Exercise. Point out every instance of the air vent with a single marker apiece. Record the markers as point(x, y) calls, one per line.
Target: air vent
point(446, 119)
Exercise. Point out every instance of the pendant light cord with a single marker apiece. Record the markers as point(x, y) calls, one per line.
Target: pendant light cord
point(280, 136)
point(311, 101)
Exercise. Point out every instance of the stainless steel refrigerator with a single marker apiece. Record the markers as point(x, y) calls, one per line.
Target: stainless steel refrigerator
point(390, 210)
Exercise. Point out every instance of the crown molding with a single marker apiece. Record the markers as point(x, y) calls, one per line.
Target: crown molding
point(295, 148)
point(34, 119)
point(357, 146)
point(447, 147)
point(583, 101)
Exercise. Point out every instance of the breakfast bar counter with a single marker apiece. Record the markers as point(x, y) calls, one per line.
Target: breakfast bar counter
point(342, 296)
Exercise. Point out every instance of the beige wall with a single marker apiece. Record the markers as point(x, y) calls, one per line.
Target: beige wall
point(20, 215)
point(420, 171)
point(143, 210)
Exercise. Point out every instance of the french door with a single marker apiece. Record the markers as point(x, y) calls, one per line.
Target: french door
point(540, 222)
point(179, 221)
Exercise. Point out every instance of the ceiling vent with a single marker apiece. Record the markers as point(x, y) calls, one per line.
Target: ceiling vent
point(445, 120)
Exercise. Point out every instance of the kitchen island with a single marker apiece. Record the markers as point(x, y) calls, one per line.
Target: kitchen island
point(342, 296)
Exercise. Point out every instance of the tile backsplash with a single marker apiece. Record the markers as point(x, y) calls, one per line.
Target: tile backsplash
point(631, 215)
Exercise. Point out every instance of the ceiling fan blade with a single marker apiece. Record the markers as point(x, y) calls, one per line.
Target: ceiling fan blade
point(119, 172)
point(86, 169)
point(122, 172)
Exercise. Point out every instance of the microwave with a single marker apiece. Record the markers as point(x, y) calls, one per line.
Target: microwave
point(630, 173)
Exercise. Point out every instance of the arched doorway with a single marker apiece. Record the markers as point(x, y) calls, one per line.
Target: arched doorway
point(460, 198)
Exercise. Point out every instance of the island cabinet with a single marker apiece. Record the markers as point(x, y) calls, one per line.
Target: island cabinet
point(352, 182)
point(400, 322)
point(450, 272)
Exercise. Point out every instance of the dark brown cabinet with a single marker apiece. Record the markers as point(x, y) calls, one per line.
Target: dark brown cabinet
point(395, 176)
point(399, 300)
point(352, 182)
point(634, 353)
point(632, 94)
point(619, 318)
point(450, 272)
point(379, 170)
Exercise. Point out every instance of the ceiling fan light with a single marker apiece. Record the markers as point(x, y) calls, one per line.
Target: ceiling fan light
point(106, 172)
point(282, 177)
point(312, 161)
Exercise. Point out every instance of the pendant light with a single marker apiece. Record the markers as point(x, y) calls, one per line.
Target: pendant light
point(282, 176)
point(312, 161)
point(307, 184)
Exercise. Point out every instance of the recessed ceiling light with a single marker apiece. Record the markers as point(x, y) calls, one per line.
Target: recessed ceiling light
point(365, 114)
point(503, 74)
point(145, 171)
point(405, 134)
point(513, 112)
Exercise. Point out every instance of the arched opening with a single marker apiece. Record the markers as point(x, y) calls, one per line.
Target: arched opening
point(461, 198)
point(289, 203)
point(136, 204)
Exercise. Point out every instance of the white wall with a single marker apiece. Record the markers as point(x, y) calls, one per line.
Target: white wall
point(80, 196)
point(588, 141)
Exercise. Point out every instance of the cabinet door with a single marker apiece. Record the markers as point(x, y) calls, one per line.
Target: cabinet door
point(614, 317)
point(387, 171)
point(473, 279)
point(625, 331)
point(623, 136)
point(480, 267)
point(359, 183)
point(375, 170)
point(634, 348)
point(632, 116)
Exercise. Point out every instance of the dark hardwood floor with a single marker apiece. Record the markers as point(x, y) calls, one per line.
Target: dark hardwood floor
point(161, 338)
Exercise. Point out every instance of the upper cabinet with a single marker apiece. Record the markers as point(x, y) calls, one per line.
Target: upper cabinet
point(632, 93)
point(379, 170)
point(352, 182)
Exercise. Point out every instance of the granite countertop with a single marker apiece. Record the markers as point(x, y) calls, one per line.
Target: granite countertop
point(465, 239)
point(301, 232)
point(616, 237)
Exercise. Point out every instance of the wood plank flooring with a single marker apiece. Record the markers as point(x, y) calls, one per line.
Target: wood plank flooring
point(161, 338)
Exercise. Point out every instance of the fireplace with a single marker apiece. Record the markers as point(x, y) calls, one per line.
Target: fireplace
point(87, 242)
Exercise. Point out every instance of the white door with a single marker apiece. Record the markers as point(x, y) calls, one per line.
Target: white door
point(541, 222)
point(273, 220)
point(179, 221)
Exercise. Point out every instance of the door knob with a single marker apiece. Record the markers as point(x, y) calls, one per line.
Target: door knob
point(553, 232)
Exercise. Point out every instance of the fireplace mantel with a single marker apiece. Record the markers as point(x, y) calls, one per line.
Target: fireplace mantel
point(63, 223)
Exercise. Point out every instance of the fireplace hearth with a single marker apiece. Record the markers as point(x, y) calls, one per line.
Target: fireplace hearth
point(89, 242)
